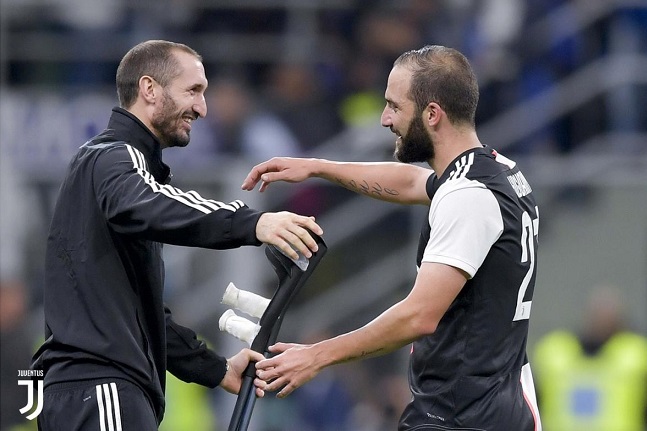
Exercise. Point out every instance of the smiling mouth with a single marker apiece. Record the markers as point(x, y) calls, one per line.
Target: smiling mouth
point(188, 121)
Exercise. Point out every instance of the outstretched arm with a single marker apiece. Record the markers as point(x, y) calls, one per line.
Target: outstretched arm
point(436, 287)
point(387, 181)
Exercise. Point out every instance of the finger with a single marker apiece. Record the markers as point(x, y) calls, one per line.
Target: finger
point(264, 365)
point(305, 238)
point(271, 175)
point(310, 223)
point(248, 184)
point(287, 390)
point(254, 356)
point(264, 186)
point(280, 347)
point(287, 249)
point(260, 387)
point(251, 179)
point(276, 385)
point(260, 383)
point(300, 240)
point(257, 171)
point(268, 375)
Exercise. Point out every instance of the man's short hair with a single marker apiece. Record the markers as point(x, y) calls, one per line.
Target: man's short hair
point(154, 58)
point(442, 75)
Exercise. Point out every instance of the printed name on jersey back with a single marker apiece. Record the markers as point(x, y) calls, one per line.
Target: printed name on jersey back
point(519, 184)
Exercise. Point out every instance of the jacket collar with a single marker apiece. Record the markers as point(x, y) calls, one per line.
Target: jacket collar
point(128, 128)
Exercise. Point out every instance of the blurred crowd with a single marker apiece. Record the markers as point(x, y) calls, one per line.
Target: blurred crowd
point(316, 72)
point(310, 72)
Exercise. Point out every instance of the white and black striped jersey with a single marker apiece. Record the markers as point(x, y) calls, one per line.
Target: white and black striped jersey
point(104, 276)
point(473, 372)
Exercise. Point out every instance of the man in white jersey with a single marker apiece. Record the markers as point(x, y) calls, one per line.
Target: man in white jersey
point(468, 312)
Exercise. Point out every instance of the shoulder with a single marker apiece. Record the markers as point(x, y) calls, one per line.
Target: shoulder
point(630, 342)
point(559, 346)
point(469, 193)
point(111, 155)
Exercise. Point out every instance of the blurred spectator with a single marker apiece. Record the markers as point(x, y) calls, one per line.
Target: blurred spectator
point(16, 340)
point(546, 60)
point(90, 26)
point(299, 100)
point(596, 379)
point(243, 126)
point(381, 34)
point(626, 33)
point(446, 22)
point(364, 98)
point(188, 407)
point(497, 27)
point(238, 124)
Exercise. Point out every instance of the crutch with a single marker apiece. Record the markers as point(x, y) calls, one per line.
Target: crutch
point(292, 276)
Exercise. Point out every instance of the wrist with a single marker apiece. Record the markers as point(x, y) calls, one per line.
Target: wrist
point(322, 355)
point(225, 375)
point(320, 168)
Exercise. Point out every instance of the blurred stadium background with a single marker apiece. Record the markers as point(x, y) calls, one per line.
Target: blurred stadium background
point(564, 92)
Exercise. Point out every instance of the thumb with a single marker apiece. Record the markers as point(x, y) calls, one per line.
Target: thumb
point(279, 347)
point(268, 177)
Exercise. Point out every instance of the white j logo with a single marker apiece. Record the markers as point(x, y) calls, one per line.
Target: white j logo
point(30, 398)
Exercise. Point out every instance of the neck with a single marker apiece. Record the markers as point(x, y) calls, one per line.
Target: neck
point(144, 114)
point(450, 145)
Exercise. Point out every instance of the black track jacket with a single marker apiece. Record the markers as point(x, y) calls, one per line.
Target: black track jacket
point(104, 311)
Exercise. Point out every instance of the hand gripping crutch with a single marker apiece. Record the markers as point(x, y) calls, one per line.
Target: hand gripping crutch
point(292, 276)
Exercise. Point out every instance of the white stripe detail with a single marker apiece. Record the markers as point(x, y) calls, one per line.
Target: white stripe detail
point(109, 409)
point(504, 160)
point(102, 415)
point(462, 167)
point(190, 198)
point(528, 387)
point(115, 399)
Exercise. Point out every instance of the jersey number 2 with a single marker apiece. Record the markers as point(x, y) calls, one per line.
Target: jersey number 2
point(529, 229)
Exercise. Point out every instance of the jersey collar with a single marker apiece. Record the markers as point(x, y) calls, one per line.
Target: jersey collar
point(128, 128)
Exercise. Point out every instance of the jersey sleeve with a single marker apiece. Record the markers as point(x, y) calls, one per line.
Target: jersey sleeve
point(465, 222)
point(189, 359)
point(133, 202)
point(431, 185)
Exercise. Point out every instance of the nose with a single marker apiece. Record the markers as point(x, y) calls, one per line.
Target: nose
point(200, 107)
point(385, 118)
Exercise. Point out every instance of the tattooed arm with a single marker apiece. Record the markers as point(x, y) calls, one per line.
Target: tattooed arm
point(387, 181)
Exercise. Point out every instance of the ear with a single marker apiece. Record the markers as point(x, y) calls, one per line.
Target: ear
point(432, 114)
point(148, 89)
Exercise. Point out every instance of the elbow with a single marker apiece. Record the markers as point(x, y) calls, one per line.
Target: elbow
point(423, 325)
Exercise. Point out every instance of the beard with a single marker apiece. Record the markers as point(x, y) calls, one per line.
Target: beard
point(416, 146)
point(169, 124)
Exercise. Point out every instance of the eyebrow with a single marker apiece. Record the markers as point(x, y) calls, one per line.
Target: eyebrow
point(197, 87)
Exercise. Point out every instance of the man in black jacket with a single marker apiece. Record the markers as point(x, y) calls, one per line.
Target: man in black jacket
point(109, 336)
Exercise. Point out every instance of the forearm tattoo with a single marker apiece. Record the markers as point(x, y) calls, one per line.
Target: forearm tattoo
point(364, 187)
point(364, 354)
